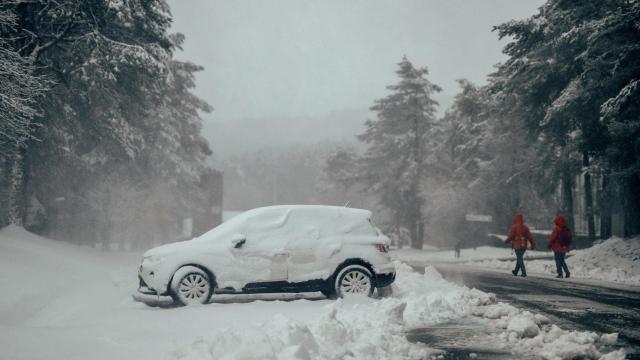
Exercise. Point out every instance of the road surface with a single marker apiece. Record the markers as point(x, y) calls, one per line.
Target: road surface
point(571, 304)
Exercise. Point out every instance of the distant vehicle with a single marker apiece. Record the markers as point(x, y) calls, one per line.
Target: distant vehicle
point(276, 249)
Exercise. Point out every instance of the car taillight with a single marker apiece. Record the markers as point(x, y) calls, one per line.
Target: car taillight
point(382, 248)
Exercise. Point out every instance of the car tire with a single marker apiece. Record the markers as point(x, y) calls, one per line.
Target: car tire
point(354, 279)
point(190, 286)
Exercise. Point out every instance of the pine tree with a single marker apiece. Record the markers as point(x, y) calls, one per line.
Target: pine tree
point(18, 94)
point(399, 143)
point(121, 117)
point(566, 63)
point(490, 163)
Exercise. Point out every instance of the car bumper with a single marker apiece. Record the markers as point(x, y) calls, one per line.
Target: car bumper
point(149, 296)
point(386, 279)
point(152, 299)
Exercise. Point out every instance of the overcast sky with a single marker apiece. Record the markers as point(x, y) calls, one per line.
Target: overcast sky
point(271, 58)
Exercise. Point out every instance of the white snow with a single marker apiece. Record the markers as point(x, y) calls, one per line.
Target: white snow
point(528, 333)
point(523, 325)
point(615, 260)
point(466, 255)
point(71, 302)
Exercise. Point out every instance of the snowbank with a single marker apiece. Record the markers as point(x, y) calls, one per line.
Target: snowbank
point(466, 255)
point(616, 260)
point(77, 305)
point(354, 327)
point(363, 328)
point(528, 333)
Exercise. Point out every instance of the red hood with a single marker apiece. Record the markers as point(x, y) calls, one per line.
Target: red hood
point(518, 219)
point(560, 221)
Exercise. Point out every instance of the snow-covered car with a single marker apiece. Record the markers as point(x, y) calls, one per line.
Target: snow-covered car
point(276, 249)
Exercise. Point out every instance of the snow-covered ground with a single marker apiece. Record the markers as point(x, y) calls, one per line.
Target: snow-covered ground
point(435, 256)
point(68, 302)
point(615, 260)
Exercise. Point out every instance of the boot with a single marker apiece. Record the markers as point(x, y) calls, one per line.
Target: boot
point(559, 276)
point(515, 273)
point(523, 275)
point(567, 275)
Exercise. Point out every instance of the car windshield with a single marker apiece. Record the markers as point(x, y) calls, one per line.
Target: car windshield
point(228, 227)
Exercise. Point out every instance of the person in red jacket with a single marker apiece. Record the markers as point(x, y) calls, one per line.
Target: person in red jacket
point(519, 236)
point(560, 242)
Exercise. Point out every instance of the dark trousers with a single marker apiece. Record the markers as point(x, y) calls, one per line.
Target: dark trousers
point(560, 264)
point(520, 261)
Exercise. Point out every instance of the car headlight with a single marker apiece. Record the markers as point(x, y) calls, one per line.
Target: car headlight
point(151, 259)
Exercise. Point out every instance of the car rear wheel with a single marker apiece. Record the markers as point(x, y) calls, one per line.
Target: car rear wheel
point(354, 279)
point(190, 286)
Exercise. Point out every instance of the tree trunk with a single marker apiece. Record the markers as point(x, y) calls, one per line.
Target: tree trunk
point(416, 234)
point(16, 188)
point(416, 201)
point(631, 205)
point(604, 202)
point(567, 196)
point(591, 225)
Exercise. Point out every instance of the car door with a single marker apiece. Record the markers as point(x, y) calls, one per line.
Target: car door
point(261, 255)
point(309, 237)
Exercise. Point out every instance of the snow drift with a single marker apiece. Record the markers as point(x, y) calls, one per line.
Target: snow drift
point(77, 305)
point(616, 260)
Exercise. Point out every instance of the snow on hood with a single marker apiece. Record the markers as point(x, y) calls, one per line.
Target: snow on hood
point(168, 249)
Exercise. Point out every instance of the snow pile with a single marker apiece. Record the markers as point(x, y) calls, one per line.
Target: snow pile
point(345, 331)
point(354, 327)
point(616, 260)
point(363, 328)
point(78, 305)
point(526, 333)
point(431, 300)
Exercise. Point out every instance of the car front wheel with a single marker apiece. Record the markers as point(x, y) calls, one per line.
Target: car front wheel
point(354, 279)
point(190, 285)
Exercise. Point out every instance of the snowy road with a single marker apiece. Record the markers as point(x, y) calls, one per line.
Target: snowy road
point(75, 302)
point(572, 304)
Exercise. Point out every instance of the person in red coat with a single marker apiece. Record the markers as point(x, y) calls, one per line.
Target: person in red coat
point(519, 237)
point(560, 243)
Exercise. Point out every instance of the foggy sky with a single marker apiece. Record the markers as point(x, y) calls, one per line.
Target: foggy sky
point(308, 58)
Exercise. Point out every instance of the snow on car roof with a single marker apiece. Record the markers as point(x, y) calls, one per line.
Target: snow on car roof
point(312, 208)
point(317, 217)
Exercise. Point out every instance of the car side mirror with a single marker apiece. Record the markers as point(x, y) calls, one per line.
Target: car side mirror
point(238, 240)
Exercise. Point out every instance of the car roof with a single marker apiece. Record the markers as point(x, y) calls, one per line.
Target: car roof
point(342, 210)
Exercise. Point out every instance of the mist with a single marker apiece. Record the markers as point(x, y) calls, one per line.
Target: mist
point(237, 105)
point(279, 179)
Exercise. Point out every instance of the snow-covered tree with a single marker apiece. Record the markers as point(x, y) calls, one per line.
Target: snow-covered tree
point(398, 154)
point(565, 63)
point(489, 166)
point(18, 94)
point(20, 88)
point(467, 124)
point(120, 106)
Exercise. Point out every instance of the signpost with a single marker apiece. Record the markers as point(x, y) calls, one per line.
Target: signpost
point(478, 218)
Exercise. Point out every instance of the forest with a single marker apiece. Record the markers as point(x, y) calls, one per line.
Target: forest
point(100, 131)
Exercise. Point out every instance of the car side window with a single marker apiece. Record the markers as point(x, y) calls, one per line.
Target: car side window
point(263, 230)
